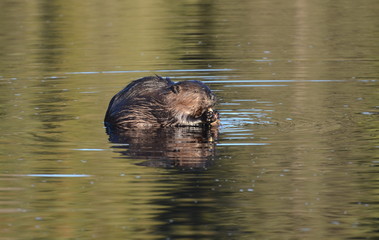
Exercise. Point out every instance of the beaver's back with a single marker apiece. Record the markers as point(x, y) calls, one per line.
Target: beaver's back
point(139, 93)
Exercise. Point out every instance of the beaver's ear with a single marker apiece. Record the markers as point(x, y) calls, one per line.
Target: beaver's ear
point(175, 89)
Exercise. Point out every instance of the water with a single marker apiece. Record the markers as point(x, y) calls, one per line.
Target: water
point(295, 158)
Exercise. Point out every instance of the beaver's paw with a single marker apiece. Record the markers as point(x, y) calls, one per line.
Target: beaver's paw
point(210, 116)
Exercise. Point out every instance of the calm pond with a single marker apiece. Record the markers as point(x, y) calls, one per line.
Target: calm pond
point(296, 157)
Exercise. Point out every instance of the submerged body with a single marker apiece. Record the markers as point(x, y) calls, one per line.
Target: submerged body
point(159, 102)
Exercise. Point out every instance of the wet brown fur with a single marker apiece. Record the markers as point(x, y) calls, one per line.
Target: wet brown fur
point(159, 102)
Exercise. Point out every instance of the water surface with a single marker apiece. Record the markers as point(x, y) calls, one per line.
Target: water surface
point(296, 156)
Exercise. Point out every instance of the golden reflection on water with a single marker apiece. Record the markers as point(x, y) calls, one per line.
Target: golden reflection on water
point(295, 158)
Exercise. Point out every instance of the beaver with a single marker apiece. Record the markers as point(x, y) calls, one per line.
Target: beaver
point(156, 101)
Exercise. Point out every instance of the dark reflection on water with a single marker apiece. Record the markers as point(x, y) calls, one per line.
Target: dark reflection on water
point(180, 147)
point(191, 210)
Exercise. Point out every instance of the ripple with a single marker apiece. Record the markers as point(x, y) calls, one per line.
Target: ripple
point(57, 175)
point(369, 113)
point(243, 144)
point(256, 85)
point(89, 149)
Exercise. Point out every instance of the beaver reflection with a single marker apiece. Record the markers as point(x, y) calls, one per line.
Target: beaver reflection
point(179, 147)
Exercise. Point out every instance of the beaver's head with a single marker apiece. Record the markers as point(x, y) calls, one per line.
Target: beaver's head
point(192, 103)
